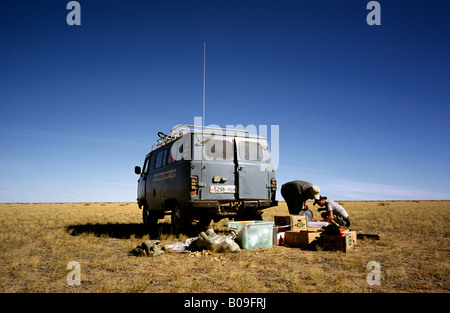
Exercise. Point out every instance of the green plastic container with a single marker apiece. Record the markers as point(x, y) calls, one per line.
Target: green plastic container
point(253, 234)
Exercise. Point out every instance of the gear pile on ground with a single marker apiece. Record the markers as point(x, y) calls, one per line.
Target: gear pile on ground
point(148, 248)
point(207, 240)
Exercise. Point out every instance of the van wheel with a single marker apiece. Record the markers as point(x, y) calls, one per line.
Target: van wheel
point(180, 222)
point(204, 222)
point(149, 218)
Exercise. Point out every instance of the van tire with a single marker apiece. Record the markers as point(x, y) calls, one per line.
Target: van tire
point(149, 218)
point(180, 222)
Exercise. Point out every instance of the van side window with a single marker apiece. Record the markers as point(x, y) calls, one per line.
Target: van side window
point(146, 166)
point(161, 158)
point(219, 149)
point(172, 156)
point(151, 163)
point(249, 150)
point(164, 157)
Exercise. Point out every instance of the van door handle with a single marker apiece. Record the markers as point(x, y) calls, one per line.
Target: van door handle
point(241, 168)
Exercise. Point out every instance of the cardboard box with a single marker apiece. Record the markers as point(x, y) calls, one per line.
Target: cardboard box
point(281, 223)
point(299, 222)
point(301, 238)
point(283, 220)
point(338, 243)
point(313, 229)
point(296, 222)
point(353, 234)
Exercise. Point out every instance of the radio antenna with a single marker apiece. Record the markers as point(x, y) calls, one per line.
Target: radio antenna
point(204, 79)
point(204, 109)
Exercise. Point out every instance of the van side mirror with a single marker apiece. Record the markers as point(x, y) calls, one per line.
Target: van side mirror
point(137, 170)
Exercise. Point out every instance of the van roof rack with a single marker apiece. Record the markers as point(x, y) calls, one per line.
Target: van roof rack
point(180, 130)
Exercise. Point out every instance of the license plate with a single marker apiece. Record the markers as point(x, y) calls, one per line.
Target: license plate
point(223, 189)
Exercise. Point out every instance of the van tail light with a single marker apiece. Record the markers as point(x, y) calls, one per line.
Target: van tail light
point(273, 189)
point(194, 184)
point(273, 184)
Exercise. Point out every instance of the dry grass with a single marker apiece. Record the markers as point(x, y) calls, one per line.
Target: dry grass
point(38, 240)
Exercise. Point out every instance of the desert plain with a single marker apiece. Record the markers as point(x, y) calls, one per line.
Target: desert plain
point(39, 240)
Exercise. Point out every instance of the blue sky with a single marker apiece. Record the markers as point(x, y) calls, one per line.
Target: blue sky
point(363, 111)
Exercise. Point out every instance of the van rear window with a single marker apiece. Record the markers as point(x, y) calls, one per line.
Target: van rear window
point(250, 150)
point(219, 149)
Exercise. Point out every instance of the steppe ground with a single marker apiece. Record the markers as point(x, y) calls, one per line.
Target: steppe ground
point(37, 241)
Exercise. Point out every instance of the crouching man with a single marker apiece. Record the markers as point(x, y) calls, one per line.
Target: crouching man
point(296, 194)
point(333, 212)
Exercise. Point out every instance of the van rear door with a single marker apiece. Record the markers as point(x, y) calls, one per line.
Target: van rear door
point(218, 168)
point(252, 168)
